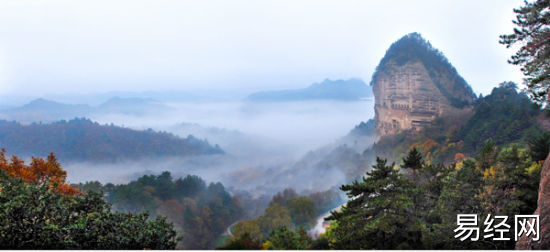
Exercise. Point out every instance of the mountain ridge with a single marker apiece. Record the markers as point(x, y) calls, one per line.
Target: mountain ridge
point(81, 139)
point(342, 90)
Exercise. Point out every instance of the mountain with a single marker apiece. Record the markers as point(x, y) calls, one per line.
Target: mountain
point(136, 106)
point(413, 84)
point(44, 110)
point(43, 104)
point(344, 90)
point(502, 117)
point(84, 140)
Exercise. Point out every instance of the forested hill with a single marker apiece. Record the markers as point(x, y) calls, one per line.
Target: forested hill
point(200, 212)
point(84, 140)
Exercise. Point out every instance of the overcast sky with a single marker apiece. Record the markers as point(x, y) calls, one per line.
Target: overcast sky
point(49, 47)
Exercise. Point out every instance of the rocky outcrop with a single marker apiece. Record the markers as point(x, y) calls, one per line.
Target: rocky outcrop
point(543, 210)
point(413, 84)
point(406, 98)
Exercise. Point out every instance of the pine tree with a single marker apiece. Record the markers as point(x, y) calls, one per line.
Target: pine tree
point(413, 161)
point(539, 146)
point(533, 34)
point(379, 214)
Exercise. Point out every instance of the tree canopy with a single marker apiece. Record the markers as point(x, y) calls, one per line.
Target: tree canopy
point(39, 211)
point(532, 33)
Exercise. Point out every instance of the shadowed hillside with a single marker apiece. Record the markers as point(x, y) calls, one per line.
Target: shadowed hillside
point(84, 140)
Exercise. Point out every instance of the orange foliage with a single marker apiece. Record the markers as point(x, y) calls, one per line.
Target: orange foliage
point(459, 157)
point(428, 145)
point(414, 145)
point(39, 171)
point(424, 147)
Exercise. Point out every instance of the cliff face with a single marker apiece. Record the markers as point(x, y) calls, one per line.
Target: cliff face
point(413, 84)
point(406, 99)
point(543, 210)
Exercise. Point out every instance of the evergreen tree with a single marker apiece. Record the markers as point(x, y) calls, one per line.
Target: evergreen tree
point(34, 216)
point(302, 211)
point(533, 34)
point(243, 242)
point(284, 239)
point(539, 146)
point(379, 214)
point(458, 196)
point(413, 161)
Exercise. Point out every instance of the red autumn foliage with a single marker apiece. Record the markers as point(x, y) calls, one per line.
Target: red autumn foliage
point(39, 171)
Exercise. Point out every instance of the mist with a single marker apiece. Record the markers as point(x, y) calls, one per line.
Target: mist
point(268, 146)
point(300, 126)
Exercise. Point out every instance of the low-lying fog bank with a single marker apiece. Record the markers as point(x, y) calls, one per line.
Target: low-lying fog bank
point(303, 126)
point(269, 146)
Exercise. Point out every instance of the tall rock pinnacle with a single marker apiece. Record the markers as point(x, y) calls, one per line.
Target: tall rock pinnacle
point(413, 84)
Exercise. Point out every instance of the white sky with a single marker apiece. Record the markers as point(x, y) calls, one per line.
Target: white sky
point(68, 46)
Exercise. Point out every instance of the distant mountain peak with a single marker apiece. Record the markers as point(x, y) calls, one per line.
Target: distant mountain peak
point(40, 102)
point(351, 89)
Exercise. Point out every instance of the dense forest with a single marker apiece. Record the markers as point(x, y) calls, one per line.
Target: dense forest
point(287, 216)
point(487, 164)
point(412, 204)
point(199, 212)
point(416, 207)
point(84, 140)
point(41, 211)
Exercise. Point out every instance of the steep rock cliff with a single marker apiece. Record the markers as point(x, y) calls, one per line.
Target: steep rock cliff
point(413, 84)
point(543, 210)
